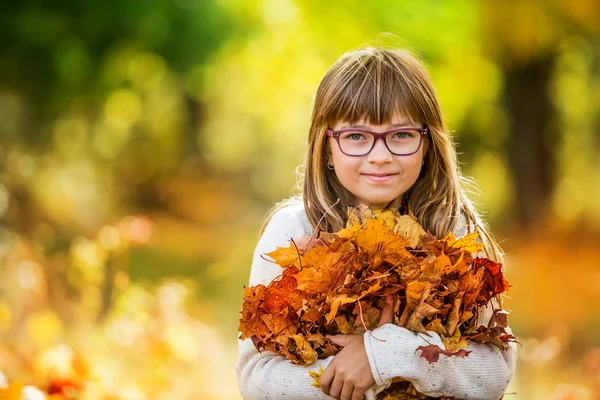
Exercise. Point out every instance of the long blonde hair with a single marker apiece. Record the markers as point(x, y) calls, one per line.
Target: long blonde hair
point(374, 84)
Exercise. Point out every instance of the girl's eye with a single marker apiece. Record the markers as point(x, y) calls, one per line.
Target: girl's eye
point(402, 135)
point(355, 136)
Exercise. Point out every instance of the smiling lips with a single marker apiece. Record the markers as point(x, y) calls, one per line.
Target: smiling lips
point(379, 178)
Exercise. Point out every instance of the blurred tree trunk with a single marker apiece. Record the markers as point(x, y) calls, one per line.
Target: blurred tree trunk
point(523, 37)
point(529, 146)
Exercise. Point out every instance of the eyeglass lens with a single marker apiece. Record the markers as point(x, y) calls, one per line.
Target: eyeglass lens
point(360, 143)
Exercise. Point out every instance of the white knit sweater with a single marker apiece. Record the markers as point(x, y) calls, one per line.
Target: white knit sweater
point(483, 374)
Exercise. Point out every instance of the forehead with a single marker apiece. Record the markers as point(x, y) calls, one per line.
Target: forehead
point(396, 120)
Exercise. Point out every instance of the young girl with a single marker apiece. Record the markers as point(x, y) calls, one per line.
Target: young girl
point(376, 138)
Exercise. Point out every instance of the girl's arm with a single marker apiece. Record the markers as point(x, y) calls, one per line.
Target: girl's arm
point(266, 375)
point(483, 374)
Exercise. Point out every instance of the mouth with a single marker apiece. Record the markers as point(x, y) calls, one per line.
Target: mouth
point(378, 178)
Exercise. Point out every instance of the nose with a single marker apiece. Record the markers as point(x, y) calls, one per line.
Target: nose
point(379, 153)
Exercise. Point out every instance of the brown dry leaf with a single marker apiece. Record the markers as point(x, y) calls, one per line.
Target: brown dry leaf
point(431, 272)
point(415, 321)
point(454, 316)
point(435, 283)
point(344, 326)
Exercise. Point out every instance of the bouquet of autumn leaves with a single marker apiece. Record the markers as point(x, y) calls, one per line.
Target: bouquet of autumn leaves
point(337, 283)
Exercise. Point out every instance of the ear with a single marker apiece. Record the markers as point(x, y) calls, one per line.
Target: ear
point(425, 146)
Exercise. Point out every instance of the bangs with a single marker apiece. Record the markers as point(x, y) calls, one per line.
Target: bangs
point(374, 89)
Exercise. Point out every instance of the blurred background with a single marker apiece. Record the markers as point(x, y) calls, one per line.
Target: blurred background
point(142, 143)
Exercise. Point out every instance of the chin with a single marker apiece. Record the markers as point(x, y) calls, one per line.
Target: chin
point(382, 202)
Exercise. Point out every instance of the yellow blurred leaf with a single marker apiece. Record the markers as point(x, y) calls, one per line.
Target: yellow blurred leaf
point(12, 392)
point(44, 327)
point(5, 316)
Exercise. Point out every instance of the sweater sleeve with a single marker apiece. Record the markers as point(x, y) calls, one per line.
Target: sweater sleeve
point(266, 375)
point(483, 374)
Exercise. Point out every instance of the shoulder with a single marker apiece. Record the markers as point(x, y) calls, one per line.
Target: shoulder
point(287, 221)
point(462, 226)
point(289, 215)
point(284, 224)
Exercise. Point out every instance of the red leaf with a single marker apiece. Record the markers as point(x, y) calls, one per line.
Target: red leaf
point(432, 353)
point(493, 278)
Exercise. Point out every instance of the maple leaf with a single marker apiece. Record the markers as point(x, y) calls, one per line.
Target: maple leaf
point(415, 321)
point(466, 243)
point(336, 302)
point(316, 375)
point(308, 354)
point(336, 283)
point(494, 281)
point(285, 256)
point(436, 326)
point(432, 353)
point(409, 227)
point(414, 292)
point(431, 272)
point(455, 342)
point(454, 316)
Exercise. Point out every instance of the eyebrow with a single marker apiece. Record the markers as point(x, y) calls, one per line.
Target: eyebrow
point(400, 125)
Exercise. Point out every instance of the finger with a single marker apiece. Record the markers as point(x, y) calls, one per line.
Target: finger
point(336, 387)
point(347, 390)
point(387, 314)
point(326, 378)
point(357, 394)
point(340, 340)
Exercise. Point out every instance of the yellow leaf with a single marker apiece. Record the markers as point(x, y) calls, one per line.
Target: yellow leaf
point(336, 302)
point(455, 342)
point(5, 316)
point(44, 327)
point(414, 291)
point(285, 256)
point(316, 375)
point(409, 227)
point(344, 326)
point(308, 354)
point(436, 326)
point(442, 262)
point(389, 219)
point(466, 243)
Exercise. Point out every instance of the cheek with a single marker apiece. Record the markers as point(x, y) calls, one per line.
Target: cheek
point(411, 163)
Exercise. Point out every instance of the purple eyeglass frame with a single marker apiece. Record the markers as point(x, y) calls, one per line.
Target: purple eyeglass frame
point(336, 135)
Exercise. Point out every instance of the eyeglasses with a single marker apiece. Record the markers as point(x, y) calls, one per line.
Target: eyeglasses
point(360, 142)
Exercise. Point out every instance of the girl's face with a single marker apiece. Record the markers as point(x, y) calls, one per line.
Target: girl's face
point(379, 177)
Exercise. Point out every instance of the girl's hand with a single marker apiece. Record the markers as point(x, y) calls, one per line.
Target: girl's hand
point(349, 375)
